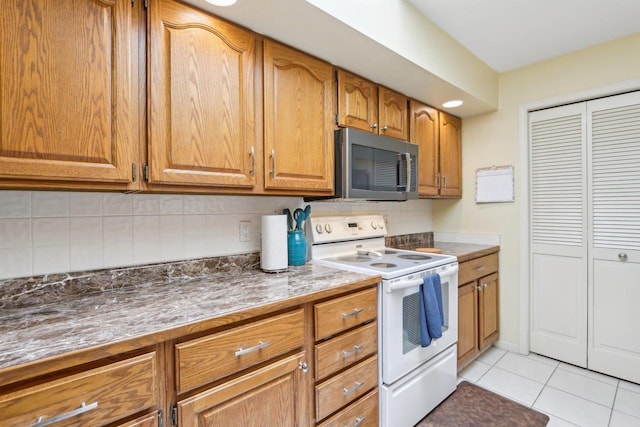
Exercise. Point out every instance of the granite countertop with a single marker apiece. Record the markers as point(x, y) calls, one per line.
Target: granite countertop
point(465, 251)
point(57, 321)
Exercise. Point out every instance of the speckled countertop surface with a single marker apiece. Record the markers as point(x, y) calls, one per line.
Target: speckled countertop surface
point(465, 251)
point(61, 319)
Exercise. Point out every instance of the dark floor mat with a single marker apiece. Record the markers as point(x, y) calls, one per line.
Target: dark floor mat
point(473, 406)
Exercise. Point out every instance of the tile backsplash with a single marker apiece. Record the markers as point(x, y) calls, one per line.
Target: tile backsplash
point(44, 232)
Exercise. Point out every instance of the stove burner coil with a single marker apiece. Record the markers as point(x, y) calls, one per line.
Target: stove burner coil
point(414, 256)
point(383, 265)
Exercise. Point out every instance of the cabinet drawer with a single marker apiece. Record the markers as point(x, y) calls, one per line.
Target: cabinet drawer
point(206, 359)
point(343, 313)
point(342, 389)
point(342, 351)
point(476, 268)
point(95, 397)
point(363, 413)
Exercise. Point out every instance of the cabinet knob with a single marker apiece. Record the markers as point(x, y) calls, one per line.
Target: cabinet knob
point(303, 366)
point(622, 256)
point(374, 126)
point(384, 128)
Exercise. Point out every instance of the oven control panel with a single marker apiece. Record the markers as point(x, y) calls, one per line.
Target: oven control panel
point(326, 229)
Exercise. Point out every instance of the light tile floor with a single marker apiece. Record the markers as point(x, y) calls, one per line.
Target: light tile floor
point(571, 396)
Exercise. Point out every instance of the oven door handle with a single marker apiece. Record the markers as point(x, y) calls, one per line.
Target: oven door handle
point(396, 286)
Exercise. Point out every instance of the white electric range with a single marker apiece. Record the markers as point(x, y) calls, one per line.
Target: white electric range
point(413, 379)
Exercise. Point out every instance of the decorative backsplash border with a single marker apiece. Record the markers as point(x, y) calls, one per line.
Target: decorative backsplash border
point(410, 241)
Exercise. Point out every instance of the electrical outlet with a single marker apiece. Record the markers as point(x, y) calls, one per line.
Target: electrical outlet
point(245, 231)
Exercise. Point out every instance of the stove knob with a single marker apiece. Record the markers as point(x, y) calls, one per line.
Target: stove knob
point(374, 225)
point(327, 228)
point(319, 229)
point(381, 224)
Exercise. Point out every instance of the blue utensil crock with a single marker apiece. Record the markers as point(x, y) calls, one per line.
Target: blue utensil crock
point(297, 247)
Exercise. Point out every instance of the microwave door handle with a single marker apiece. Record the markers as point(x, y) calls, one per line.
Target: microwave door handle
point(408, 158)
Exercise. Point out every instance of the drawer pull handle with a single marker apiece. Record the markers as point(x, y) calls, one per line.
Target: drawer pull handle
point(41, 421)
point(353, 313)
point(257, 347)
point(359, 420)
point(480, 267)
point(356, 348)
point(348, 391)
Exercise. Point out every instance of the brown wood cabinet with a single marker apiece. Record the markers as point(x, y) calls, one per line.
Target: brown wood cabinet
point(439, 138)
point(364, 105)
point(98, 396)
point(298, 120)
point(203, 110)
point(346, 360)
point(478, 323)
point(69, 102)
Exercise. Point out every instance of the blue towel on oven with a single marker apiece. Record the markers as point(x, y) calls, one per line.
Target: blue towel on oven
point(431, 312)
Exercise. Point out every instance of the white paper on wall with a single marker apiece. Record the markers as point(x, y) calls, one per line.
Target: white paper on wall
point(495, 184)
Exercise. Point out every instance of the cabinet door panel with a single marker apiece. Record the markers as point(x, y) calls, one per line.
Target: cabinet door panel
point(488, 330)
point(202, 127)
point(264, 397)
point(66, 107)
point(450, 155)
point(467, 322)
point(426, 133)
point(298, 120)
point(357, 102)
point(393, 114)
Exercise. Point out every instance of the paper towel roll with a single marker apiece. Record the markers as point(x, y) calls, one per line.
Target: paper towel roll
point(273, 254)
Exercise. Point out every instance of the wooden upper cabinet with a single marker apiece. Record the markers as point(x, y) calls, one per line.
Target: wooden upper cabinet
point(364, 105)
point(450, 155)
point(393, 114)
point(357, 102)
point(202, 116)
point(298, 120)
point(68, 96)
point(425, 132)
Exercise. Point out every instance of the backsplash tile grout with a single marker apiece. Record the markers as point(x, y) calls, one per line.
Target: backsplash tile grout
point(47, 232)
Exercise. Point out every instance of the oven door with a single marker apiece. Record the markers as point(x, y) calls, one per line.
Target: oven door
point(400, 332)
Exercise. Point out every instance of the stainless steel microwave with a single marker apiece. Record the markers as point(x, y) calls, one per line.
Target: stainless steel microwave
point(374, 167)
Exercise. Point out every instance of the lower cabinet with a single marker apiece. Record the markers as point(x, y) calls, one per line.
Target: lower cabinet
point(103, 395)
point(265, 397)
point(346, 360)
point(478, 323)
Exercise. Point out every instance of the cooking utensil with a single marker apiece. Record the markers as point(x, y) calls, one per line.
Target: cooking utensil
point(287, 212)
point(299, 217)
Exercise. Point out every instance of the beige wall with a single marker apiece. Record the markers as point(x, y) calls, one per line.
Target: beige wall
point(493, 139)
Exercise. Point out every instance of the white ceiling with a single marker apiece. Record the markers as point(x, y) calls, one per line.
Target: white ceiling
point(509, 34)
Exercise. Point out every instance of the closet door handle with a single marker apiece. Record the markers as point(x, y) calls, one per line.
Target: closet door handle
point(622, 256)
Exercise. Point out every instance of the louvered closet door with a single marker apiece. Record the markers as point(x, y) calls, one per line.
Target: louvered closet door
point(557, 233)
point(614, 279)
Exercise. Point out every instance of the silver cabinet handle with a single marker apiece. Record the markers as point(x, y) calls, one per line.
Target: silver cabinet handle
point(384, 128)
point(348, 391)
point(478, 288)
point(484, 286)
point(359, 420)
point(252, 154)
point(41, 421)
point(353, 313)
point(374, 126)
point(303, 366)
point(257, 347)
point(273, 163)
point(444, 182)
point(480, 267)
point(437, 180)
point(622, 256)
point(354, 350)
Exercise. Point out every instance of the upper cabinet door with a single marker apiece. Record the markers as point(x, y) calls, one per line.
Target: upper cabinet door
point(67, 100)
point(357, 102)
point(202, 127)
point(450, 155)
point(425, 132)
point(393, 114)
point(298, 120)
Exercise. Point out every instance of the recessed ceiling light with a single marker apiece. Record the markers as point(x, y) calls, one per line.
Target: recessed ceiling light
point(221, 2)
point(453, 104)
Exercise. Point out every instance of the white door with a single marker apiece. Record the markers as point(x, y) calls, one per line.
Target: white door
point(614, 270)
point(558, 221)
